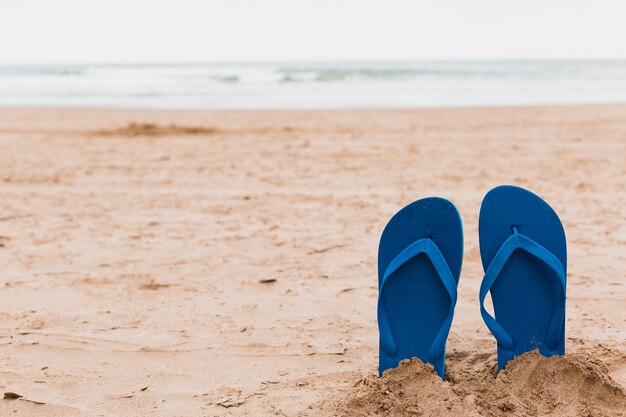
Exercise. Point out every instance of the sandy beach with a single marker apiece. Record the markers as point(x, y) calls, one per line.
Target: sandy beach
point(218, 263)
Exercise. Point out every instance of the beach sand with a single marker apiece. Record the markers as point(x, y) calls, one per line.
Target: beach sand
point(209, 263)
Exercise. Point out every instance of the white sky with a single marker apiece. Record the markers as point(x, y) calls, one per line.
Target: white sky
point(75, 31)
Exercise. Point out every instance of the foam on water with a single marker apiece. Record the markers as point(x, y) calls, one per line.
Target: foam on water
point(316, 85)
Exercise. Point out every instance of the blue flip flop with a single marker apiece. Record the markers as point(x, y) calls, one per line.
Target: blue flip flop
point(524, 254)
point(419, 263)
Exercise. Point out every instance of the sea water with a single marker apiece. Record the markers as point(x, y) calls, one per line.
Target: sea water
point(315, 84)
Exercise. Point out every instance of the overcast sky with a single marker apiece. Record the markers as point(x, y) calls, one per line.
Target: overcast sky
point(75, 31)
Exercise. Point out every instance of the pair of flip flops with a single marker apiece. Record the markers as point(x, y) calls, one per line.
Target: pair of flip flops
point(523, 251)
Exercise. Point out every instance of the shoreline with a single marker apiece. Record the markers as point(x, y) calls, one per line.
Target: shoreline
point(4, 107)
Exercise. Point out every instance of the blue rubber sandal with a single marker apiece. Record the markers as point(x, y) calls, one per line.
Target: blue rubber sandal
point(419, 264)
point(524, 254)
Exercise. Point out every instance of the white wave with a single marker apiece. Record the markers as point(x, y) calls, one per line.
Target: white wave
point(308, 85)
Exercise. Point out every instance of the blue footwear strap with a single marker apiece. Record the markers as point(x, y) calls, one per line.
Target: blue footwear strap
point(430, 249)
point(514, 242)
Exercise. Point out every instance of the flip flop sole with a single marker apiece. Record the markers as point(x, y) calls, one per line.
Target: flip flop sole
point(525, 291)
point(415, 298)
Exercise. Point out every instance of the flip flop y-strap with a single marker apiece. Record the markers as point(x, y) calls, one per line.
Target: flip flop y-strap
point(514, 242)
point(430, 249)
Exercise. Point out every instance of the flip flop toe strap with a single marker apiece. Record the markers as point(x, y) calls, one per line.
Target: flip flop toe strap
point(430, 249)
point(514, 242)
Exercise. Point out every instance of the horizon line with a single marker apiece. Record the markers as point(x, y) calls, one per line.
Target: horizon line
point(311, 61)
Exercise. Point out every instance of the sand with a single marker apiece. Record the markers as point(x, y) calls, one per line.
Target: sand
point(531, 385)
point(217, 263)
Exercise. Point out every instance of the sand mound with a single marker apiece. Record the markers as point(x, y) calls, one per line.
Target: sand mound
point(151, 129)
point(412, 389)
point(531, 385)
point(571, 385)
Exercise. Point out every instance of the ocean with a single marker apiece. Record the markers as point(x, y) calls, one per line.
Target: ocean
point(315, 84)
